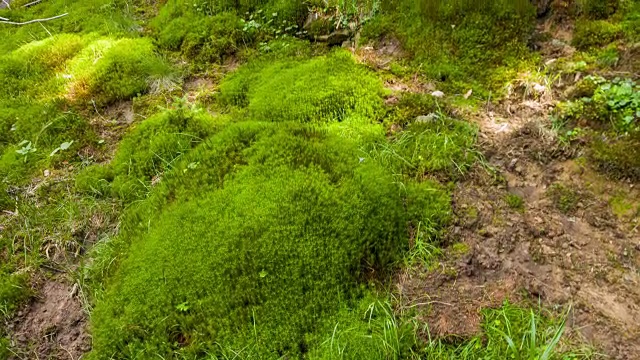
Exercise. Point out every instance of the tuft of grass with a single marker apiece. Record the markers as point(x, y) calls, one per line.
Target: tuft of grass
point(441, 147)
point(515, 202)
point(146, 153)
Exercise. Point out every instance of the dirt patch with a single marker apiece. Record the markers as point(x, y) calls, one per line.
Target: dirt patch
point(577, 254)
point(53, 326)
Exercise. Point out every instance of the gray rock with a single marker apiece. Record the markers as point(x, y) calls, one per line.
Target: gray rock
point(433, 117)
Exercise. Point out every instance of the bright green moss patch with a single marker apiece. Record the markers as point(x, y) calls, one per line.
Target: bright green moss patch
point(203, 38)
point(321, 89)
point(13, 290)
point(86, 68)
point(105, 17)
point(262, 261)
point(108, 70)
point(147, 153)
point(31, 71)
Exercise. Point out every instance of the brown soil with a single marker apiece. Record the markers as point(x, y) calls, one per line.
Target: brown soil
point(584, 257)
point(53, 326)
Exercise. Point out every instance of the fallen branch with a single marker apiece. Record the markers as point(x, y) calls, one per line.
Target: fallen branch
point(32, 3)
point(3, 19)
point(32, 21)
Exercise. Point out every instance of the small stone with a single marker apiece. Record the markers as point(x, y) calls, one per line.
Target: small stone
point(427, 118)
point(47, 173)
point(438, 94)
point(540, 89)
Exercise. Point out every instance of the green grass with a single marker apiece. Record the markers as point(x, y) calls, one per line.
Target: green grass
point(146, 153)
point(443, 148)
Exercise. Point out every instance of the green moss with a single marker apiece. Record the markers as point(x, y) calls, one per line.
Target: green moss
point(203, 38)
point(105, 17)
point(600, 9)
point(412, 105)
point(31, 69)
point(564, 198)
point(469, 41)
point(14, 289)
point(147, 153)
point(108, 70)
point(325, 88)
point(265, 259)
point(618, 157)
point(598, 33)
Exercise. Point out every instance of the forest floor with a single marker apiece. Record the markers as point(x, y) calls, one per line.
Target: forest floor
point(537, 224)
point(534, 224)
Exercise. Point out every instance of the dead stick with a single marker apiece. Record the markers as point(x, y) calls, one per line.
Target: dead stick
point(32, 3)
point(33, 21)
point(3, 19)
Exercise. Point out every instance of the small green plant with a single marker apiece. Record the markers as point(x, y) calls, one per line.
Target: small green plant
point(616, 101)
point(64, 146)
point(515, 202)
point(26, 149)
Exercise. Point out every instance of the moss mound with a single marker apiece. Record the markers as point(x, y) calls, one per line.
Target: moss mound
point(30, 71)
point(108, 70)
point(325, 88)
point(104, 17)
point(264, 261)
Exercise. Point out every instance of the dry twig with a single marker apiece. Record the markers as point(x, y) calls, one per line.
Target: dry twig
point(32, 21)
